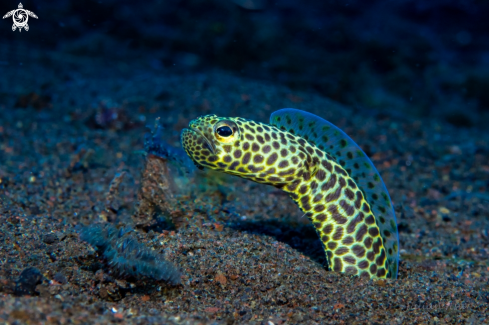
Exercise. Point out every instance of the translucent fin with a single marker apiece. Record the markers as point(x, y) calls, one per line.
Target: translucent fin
point(348, 154)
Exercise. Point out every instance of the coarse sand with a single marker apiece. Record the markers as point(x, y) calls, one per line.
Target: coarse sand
point(245, 252)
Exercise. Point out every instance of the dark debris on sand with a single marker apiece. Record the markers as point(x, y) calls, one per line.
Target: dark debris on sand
point(245, 253)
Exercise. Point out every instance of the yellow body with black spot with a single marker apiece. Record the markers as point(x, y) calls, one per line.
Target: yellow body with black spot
point(313, 178)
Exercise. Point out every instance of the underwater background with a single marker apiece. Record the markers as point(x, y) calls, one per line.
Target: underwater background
point(94, 95)
point(425, 58)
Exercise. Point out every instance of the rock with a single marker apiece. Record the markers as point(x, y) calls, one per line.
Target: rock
point(27, 282)
point(50, 238)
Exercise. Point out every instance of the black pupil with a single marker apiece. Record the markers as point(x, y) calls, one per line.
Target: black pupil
point(224, 131)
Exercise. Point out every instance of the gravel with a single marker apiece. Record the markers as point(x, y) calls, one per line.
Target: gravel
point(245, 252)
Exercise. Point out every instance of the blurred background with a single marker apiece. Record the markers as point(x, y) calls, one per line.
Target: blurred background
point(416, 57)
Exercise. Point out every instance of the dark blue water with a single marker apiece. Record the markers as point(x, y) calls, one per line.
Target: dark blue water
point(426, 58)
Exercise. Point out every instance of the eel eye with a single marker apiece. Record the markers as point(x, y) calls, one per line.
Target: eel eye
point(224, 131)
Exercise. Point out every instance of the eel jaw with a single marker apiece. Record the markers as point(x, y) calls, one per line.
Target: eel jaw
point(207, 144)
point(211, 146)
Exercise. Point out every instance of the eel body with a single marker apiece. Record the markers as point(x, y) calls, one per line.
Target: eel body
point(324, 171)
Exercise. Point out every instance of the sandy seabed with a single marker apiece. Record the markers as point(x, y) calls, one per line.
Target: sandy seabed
point(245, 253)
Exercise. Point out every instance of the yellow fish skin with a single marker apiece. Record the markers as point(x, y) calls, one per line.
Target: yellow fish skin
point(322, 185)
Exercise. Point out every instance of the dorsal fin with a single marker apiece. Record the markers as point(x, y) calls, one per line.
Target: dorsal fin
point(348, 154)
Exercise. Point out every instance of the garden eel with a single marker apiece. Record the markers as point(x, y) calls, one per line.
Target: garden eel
point(324, 171)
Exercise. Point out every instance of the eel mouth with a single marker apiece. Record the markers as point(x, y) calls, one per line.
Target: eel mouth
point(208, 143)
